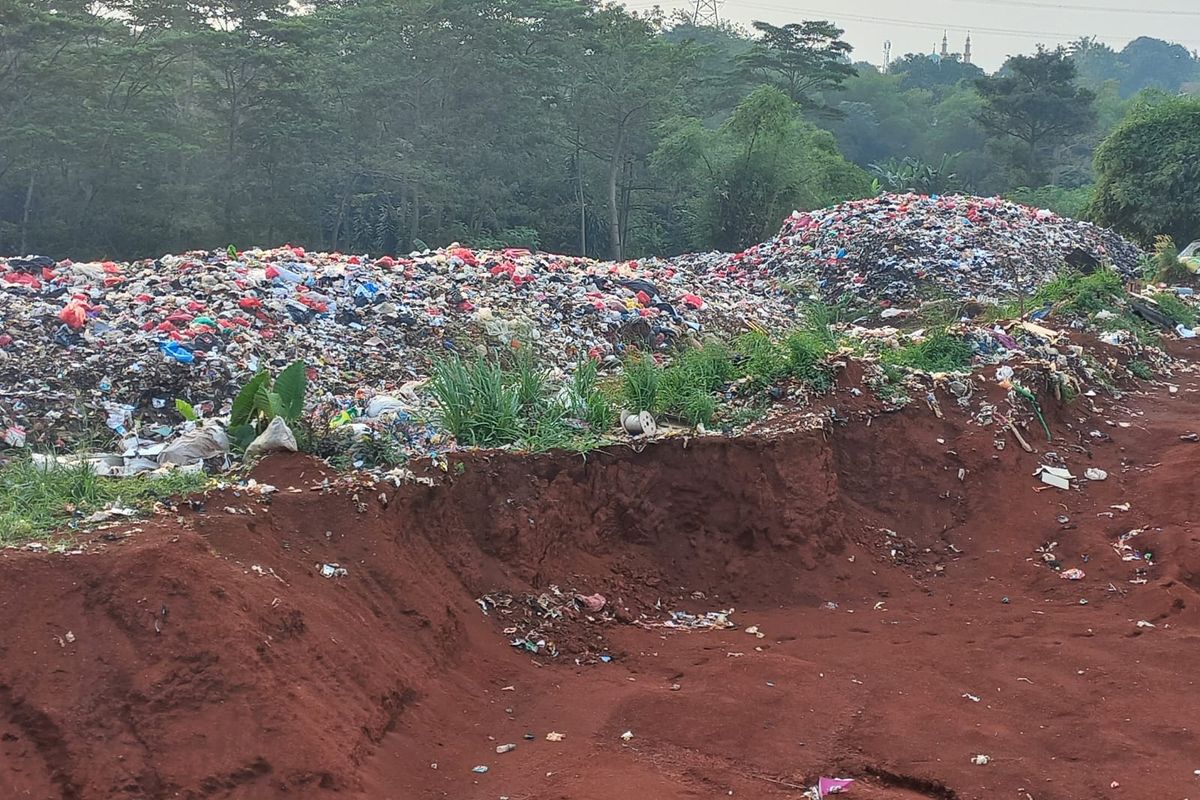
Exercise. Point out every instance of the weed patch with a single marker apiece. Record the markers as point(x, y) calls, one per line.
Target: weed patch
point(35, 500)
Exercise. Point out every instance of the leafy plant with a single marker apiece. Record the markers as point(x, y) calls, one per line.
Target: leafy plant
point(1175, 309)
point(1084, 294)
point(763, 361)
point(259, 401)
point(1167, 266)
point(186, 411)
point(911, 174)
point(477, 402)
point(939, 352)
point(588, 401)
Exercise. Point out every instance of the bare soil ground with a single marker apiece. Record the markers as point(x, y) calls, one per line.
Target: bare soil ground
point(908, 624)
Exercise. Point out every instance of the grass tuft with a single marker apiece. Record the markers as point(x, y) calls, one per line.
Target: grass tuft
point(37, 501)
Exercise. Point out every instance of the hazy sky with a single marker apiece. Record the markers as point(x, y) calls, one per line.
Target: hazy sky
point(998, 27)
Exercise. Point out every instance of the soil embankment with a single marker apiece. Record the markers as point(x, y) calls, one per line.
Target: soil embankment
point(909, 623)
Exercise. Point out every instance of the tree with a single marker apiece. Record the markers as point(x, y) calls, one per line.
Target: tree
point(803, 59)
point(919, 71)
point(1153, 63)
point(739, 182)
point(1096, 62)
point(1036, 101)
point(1148, 172)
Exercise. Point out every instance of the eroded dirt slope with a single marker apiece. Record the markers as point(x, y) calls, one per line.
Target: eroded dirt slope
point(908, 625)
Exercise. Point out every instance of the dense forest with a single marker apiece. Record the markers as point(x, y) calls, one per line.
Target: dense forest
point(137, 127)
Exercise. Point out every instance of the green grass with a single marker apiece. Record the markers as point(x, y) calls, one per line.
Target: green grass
point(1084, 294)
point(1140, 369)
point(1175, 309)
point(35, 502)
point(479, 402)
point(939, 352)
point(484, 403)
point(639, 383)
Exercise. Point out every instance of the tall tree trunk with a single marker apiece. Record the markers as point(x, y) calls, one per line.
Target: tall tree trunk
point(582, 204)
point(414, 231)
point(25, 214)
point(614, 208)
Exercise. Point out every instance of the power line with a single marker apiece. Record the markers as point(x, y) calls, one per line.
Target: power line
point(1075, 7)
point(932, 26)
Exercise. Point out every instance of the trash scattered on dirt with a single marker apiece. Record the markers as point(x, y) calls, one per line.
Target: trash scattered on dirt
point(332, 571)
point(1055, 476)
point(626, 736)
point(1094, 474)
point(505, 748)
point(555, 736)
point(827, 787)
point(480, 769)
point(980, 760)
point(971, 697)
point(1073, 574)
point(592, 602)
point(684, 620)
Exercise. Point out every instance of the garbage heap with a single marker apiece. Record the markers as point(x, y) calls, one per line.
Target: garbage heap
point(119, 342)
point(904, 247)
point(85, 344)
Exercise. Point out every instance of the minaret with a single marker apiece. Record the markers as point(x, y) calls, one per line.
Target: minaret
point(967, 51)
point(945, 44)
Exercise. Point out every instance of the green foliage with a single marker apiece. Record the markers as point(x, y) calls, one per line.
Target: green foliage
point(588, 401)
point(802, 59)
point(36, 501)
point(1083, 294)
point(639, 383)
point(1175, 309)
point(911, 174)
point(186, 411)
point(1035, 101)
point(686, 387)
point(1061, 200)
point(763, 361)
point(940, 351)
point(1147, 175)
point(1165, 265)
point(478, 402)
point(484, 403)
point(259, 401)
point(738, 182)
point(1140, 369)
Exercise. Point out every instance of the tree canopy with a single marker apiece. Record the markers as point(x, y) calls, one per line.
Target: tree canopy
point(1148, 172)
point(137, 127)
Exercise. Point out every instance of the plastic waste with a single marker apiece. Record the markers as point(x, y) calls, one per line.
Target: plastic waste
point(200, 444)
point(277, 437)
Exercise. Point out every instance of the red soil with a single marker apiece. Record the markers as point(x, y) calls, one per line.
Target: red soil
point(192, 675)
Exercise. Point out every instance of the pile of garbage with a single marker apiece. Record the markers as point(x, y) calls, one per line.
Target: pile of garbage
point(86, 345)
point(901, 248)
point(123, 341)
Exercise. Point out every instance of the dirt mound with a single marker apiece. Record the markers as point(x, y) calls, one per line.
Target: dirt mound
point(908, 624)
